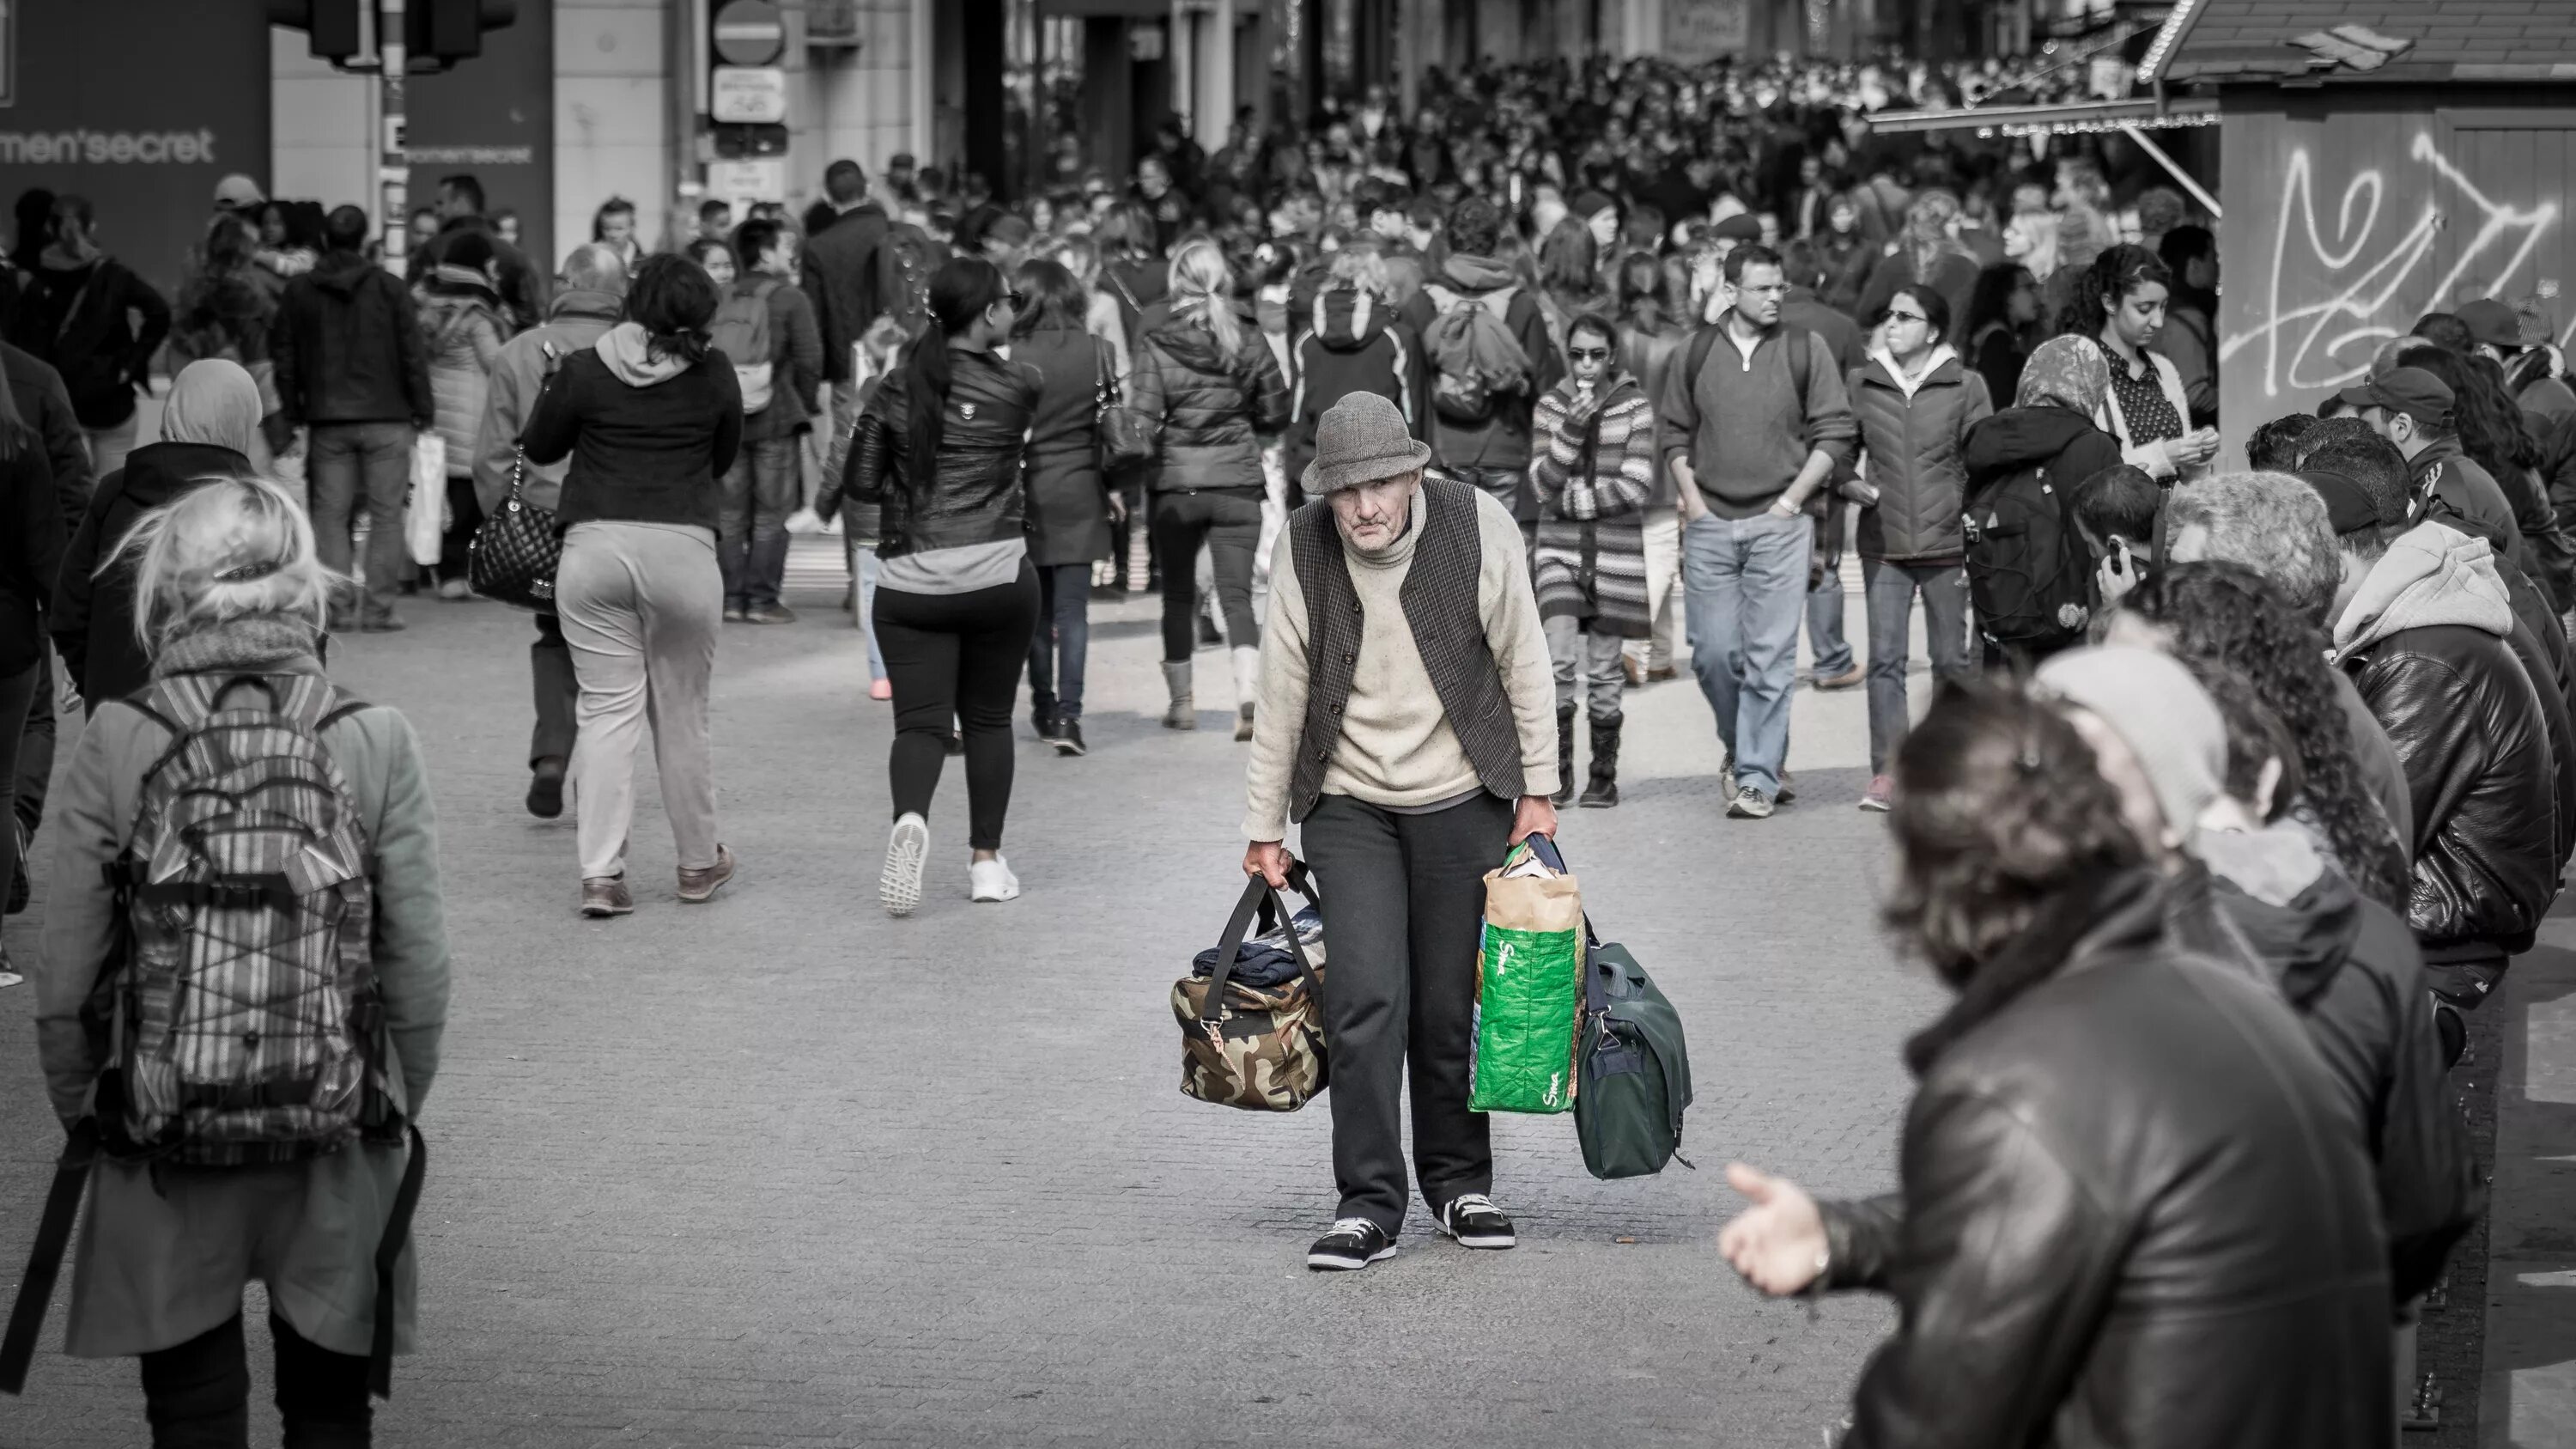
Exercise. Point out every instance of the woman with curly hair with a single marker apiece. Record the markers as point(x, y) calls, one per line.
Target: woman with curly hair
point(2119, 301)
point(2123, 1162)
point(2227, 614)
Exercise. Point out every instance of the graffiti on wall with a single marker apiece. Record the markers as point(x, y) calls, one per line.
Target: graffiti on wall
point(2383, 277)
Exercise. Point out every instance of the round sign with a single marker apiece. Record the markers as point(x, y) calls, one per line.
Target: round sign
point(749, 32)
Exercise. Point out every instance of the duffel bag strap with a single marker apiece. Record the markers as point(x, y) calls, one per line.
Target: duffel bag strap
point(1260, 898)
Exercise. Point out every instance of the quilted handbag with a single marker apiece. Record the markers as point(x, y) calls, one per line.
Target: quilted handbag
point(1254, 1047)
point(514, 553)
point(1127, 437)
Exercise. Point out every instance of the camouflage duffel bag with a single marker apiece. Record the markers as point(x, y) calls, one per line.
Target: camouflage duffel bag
point(1252, 1009)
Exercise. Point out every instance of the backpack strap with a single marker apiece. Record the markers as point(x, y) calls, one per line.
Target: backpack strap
point(45, 1258)
point(380, 1347)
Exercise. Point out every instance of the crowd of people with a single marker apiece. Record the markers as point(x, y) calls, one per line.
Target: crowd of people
point(2241, 778)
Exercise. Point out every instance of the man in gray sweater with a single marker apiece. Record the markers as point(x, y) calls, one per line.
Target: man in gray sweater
point(1406, 717)
point(1751, 434)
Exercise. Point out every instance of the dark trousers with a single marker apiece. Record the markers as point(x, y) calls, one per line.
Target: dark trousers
point(1062, 641)
point(350, 466)
point(464, 516)
point(16, 692)
point(754, 498)
point(558, 693)
point(956, 657)
point(1228, 521)
point(197, 1395)
point(1404, 906)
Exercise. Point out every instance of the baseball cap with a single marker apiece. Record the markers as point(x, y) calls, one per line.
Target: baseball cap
point(1741, 227)
point(2349, 507)
point(237, 191)
point(2409, 390)
point(2491, 322)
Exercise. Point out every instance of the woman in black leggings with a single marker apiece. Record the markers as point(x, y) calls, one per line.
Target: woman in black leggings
point(938, 448)
point(1208, 376)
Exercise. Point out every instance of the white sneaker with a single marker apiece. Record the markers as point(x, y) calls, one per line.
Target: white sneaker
point(992, 880)
point(899, 888)
point(804, 521)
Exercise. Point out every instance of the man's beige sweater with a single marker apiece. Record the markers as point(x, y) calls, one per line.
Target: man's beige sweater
point(1396, 747)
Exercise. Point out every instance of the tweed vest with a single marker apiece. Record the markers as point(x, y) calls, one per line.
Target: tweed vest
point(1439, 597)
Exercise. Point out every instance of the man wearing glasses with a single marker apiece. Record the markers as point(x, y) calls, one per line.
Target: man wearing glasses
point(1755, 422)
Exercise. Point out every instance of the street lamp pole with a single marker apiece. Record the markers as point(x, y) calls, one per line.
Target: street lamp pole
point(393, 168)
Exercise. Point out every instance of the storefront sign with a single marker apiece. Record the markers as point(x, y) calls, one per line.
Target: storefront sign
point(1697, 30)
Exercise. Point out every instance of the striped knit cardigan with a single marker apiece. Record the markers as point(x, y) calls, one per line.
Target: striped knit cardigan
point(1589, 562)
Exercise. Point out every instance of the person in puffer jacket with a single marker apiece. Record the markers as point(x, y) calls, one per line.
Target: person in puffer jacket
point(1915, 403)
point(1209, 382)
point(461, 321)
point(1349, 339)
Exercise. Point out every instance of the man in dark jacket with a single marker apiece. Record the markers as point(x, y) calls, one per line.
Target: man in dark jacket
point(1480, 429)
point(460, 210)
point(352, 365)
point(43, 404)
point(97, 323)
point(589, 297)
point(835, 278)
point(1349, 340)
point(2424, 626)
point(761, 488)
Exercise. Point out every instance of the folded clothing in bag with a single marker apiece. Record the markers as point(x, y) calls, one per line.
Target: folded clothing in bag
point(1266, 960)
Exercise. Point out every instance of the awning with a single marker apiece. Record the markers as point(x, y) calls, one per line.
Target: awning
point(2144, 113)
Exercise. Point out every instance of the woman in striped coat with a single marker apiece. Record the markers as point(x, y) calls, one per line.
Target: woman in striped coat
point(1592, 464)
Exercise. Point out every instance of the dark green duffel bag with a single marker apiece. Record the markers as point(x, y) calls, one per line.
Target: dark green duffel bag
point(1633, 1072)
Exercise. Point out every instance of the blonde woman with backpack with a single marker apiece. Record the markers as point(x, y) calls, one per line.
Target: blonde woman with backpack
point(230, 605)
point(1207, 380)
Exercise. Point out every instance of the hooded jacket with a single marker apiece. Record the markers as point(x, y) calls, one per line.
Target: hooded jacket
point(1348, 340)
point(2351, 970)
point(579, 317)
point(648, 436)
point(1211, 407)
point(93, 617)
point(2135, 1211)
point(1502, 440)
point(348, 347)
point(2426, 639)
point(523, 287)
point(462, 322)
point(1913, 438)
point(2064, 442)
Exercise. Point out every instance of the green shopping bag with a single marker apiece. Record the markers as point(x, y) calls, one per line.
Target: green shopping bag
point(1529, 984)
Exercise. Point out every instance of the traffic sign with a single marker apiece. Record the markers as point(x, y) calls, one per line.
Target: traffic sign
point(754, 93)
point(744, 182)
point(750, 32)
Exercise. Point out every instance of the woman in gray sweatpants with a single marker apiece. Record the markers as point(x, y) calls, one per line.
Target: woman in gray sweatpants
point(651, 417)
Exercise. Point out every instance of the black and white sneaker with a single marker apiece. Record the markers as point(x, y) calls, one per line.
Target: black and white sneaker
point(1475, 1222)
point(1354, 1243)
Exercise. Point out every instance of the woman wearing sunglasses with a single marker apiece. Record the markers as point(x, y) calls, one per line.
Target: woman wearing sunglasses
point(939, 450)
point(1592, 465)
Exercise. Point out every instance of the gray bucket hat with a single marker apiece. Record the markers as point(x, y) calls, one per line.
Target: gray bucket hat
point(1361, 439)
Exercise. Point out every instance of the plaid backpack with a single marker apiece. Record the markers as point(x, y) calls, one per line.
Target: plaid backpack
point(245, 1006)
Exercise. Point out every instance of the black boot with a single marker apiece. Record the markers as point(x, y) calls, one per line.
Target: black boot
point(1603, 791)
point(1564, 754)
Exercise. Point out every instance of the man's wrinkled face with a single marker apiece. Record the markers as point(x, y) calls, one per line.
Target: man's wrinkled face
point(1373, 515)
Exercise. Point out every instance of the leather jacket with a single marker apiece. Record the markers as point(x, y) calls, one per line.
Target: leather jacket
point(2136, 1211)
point(974, 494)
point(2470, 731)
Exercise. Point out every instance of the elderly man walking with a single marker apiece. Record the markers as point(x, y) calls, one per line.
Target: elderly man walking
point(1406, 719)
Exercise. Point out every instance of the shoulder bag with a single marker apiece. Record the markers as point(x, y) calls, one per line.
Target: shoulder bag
point(1126, 436)
point(514, 553)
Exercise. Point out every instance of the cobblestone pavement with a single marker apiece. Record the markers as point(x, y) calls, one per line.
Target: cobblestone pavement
point(780, 1170)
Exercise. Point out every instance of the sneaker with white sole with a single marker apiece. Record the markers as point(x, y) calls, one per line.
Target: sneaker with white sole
point(1352, 1244)
point(991, 880)
point(907, 849)
point(1749, 804)
point(1475, 1222)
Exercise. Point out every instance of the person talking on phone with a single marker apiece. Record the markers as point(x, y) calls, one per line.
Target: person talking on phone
point(1914, 401)
point(2120, 303)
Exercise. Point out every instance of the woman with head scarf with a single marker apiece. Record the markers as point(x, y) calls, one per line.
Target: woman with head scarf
point(209, 427)
point(2031, 586)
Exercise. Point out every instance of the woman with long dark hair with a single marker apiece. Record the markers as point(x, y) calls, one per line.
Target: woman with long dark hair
point(1208, 378)
point(2230, 614)
point(1070, 503)
point(651, 416)
point(939, 449)
point(2119, 302)
point(2124, 1163)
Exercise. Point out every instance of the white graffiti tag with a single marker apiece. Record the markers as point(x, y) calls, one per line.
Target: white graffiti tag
point(2328, 343)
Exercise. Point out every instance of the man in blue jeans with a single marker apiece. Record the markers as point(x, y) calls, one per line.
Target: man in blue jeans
point(1749, 439)
point(351, 364)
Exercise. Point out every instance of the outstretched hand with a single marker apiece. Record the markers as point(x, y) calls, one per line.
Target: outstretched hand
point(1778, 1244)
